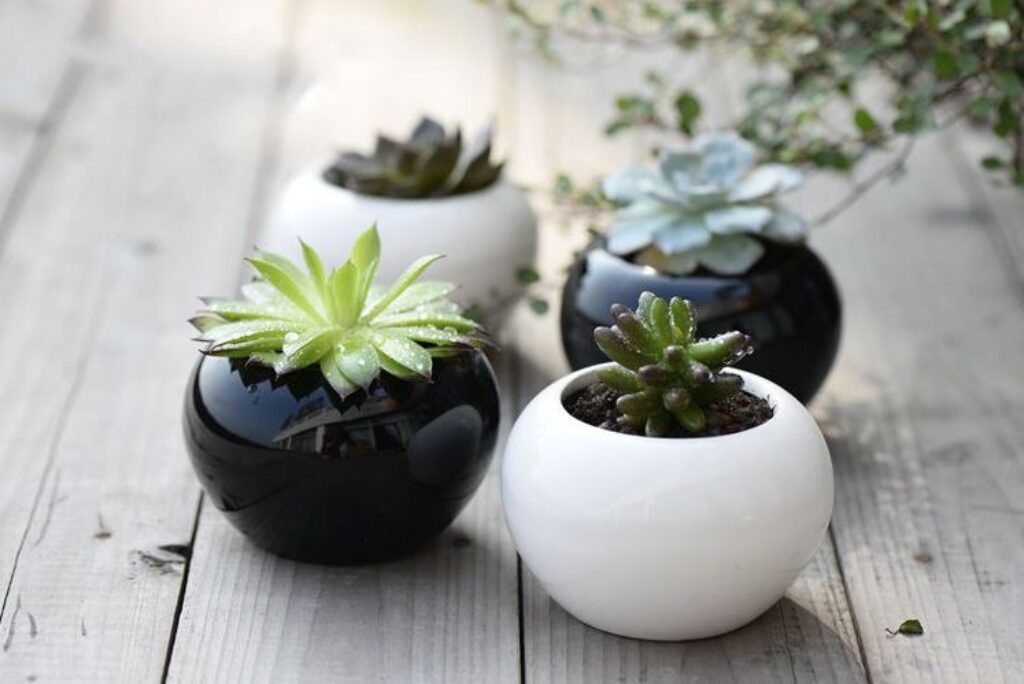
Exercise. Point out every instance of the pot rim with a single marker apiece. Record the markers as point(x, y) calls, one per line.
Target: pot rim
point(316, 172)
point(601, 242)
point(782, 403)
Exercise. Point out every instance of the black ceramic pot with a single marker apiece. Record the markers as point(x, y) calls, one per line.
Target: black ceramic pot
point(788, 302)
point(311, 477)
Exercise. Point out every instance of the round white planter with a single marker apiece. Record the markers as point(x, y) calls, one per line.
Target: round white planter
point(666, 539)
point(485, 236)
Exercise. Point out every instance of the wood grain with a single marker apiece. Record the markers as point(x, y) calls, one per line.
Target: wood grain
point(809, 636)
point(141, 144)
point(449, 613)
point(921, 416)
point(41, 71)
point(139, 203)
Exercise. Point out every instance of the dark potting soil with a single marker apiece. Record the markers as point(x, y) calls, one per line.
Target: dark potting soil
point(595, 405)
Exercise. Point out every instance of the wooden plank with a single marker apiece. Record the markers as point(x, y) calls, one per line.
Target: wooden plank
point(809, 636)
point(1001, 199)
point(140, 202)
point(449, 613)
point(37, 43)
point(923, 419)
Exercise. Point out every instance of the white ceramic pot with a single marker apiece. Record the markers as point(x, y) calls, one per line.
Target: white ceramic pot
point(485, 236)
point(666, 539)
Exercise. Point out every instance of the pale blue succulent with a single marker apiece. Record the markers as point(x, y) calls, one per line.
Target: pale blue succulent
point(703, 208)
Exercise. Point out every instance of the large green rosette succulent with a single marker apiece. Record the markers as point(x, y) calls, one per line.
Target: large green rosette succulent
point(338, 321)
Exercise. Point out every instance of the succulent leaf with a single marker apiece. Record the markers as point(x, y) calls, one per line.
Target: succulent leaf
point(665, 377)
point(430, 163)
point(613, 345)
point(701, 207)
point(684, 320)
point(619, 379)
point(292, 319)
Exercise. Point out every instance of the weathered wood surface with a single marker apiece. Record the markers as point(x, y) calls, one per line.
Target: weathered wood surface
point(923, 419)
point(41, 72)
point(451, 613)
point(140, 146)
point(809, 636)
point(139, 200)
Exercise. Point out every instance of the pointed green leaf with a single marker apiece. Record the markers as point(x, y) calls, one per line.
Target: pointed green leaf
point(421, 293)
point(243, 330)
point(427, 318)
point(366, 257)
point(262, 292)
point(287, 285)
point(408, 278)
point(314, 264)
point(396, 369)
point(344, 288)
point(240, 311)
point(335, 378)
point(431, 334)
point(306, 349)
point(269, 359)
point(318, 275)
point(358, 361)
point(205, 321)
point(403, 351)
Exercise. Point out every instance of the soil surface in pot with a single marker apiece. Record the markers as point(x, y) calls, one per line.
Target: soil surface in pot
point(595, 405)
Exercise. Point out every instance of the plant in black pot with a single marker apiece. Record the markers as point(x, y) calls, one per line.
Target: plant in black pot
point(706, 225)
point(333, 421)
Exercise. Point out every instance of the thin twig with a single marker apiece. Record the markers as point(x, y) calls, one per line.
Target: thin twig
point(859, 189)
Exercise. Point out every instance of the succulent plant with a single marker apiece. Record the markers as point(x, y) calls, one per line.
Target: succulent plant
point(290, 320)
point(703, 208)
point(666, 377)
point(430, 163)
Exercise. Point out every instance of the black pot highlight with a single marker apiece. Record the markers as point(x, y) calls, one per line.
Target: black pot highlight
point(788, 302)
point(311, 477)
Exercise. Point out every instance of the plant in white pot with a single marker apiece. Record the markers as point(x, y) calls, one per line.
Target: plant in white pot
point(430, 193)
point(664, 495)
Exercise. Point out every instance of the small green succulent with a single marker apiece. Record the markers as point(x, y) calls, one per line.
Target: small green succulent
point(665, 375)
point(290, 320)
point(430, 163)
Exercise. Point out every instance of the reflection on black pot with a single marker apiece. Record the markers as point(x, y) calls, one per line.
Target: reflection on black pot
point(309, 476)
point(788, 302)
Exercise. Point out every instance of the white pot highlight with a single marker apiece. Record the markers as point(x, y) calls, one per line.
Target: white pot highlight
point(485, 236)
point(666, 539)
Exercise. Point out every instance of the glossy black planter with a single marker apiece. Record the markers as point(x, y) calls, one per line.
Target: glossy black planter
point(788, 302)
point(311, 477)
